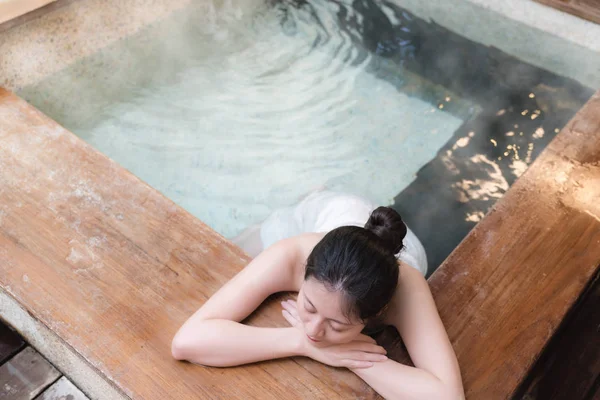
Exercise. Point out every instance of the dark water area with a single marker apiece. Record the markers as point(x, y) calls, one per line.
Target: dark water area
point(520, 109)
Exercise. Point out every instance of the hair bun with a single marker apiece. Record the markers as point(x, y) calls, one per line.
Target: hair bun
point(386, 223)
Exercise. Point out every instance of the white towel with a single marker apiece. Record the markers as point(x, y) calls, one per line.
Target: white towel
point(323, 211)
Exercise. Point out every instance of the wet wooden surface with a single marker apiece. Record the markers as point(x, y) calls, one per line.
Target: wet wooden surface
point(15, 8)
point(26, 375)
point(587, 9)
point(570, 366)
point(504, 291)
point(114, 268)
point(34, 13)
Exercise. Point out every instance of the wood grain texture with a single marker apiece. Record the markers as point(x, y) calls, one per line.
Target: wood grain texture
point(35, 13)
point(26, 375)
point(114, 268)
point(570, 365)
point(10, 9)
point(10, 342)
point(504, 291)
point(62, 389)
point(586, 9)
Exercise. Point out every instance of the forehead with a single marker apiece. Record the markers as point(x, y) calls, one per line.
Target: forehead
point(327, 302)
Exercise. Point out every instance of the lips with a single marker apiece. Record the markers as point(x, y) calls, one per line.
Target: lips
point(314, 340)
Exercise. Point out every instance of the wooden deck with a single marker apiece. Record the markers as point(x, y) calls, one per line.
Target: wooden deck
point(15, 8)
point(504, 291)
point(570, 366)
point(587, 9)
point(108, 268)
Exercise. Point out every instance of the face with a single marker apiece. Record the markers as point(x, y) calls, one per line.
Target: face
point(320, 311)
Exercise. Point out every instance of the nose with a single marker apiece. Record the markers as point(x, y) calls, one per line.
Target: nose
point(315, 328)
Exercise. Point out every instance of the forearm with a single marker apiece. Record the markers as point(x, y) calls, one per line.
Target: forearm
point(393, 380)
point(224, 343)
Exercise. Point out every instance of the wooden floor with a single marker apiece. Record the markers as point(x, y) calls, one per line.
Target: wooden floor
point(587, 9)
point(112, 268)
point(27, 375)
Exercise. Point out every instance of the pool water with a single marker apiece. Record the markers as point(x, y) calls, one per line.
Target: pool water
point(235, 110)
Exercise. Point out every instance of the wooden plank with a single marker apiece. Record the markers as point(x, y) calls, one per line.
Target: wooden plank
point(504, 291)
point(49, 7)
point(10, 9)
point(26, 375)
point(570, 366)
point(89, 248)
point(586, 9)
point(114, 268)
point(10, 342)
point(63, 389)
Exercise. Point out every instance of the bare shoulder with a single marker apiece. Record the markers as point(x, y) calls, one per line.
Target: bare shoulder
point(411, 280)
point(303, 245)
point(410, 283)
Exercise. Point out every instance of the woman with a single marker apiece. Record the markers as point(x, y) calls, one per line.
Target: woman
point(349, 284)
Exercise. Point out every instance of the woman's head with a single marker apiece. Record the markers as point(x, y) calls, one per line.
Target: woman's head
point(351, 275)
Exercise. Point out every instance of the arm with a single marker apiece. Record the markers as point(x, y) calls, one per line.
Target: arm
point(224, 343)
point(436, 374)
point(213, 335)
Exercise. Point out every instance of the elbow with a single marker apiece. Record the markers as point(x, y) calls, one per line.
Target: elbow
point(188, 345)
point(179, 347)
point(448, 388)
point(451, 393)
point(194, 345)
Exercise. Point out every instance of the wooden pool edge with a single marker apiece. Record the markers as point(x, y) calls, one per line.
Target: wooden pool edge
point(550, 207)
point(583, 10)
point(447, 278)
point(59, 353)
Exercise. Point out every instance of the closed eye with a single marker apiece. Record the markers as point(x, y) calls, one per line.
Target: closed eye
point(310, 308)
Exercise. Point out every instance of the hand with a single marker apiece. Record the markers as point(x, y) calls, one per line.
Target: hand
point(361, 352)
point(290, 313)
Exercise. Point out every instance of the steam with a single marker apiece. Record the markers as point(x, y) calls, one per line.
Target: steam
point(234, 109)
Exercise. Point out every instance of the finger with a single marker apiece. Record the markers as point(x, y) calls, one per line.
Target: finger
point(366, 348)
point(291, 309)
point(292, 305)
point(362, 356)
point(294, 312)
point(356, 364)
point(288, 317)
point(288, 304)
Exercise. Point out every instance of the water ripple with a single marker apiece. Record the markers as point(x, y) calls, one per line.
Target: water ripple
point(269, 100)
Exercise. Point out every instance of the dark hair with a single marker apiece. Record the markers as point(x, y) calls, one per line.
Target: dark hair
point(361, 262)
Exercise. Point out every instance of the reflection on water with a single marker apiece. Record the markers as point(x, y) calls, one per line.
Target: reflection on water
point(256, 107)
point(233, 109)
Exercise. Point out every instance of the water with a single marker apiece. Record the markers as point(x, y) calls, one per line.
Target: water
point(233, 110)
point(273, 102)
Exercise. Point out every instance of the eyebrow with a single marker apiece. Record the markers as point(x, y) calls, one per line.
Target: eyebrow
point(334, 320)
